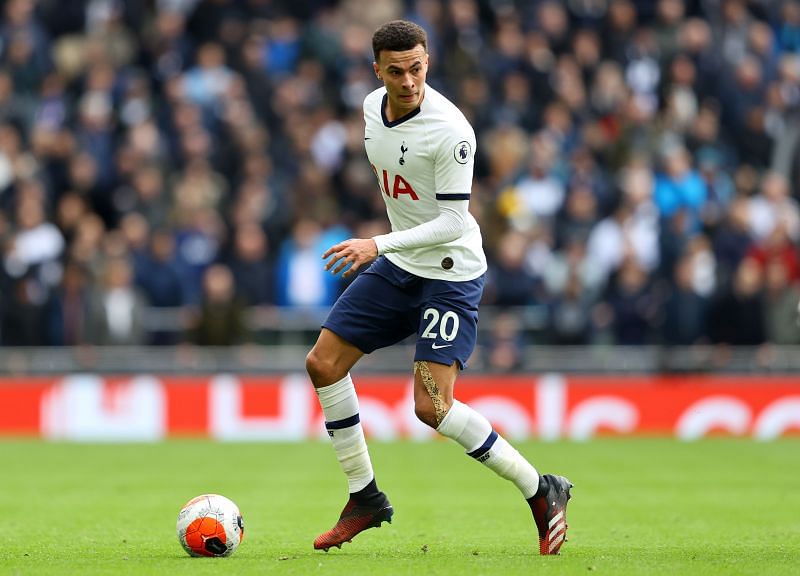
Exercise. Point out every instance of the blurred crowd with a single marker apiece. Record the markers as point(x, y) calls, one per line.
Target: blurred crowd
point(637, 176)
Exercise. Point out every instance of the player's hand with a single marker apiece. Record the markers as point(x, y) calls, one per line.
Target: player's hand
point(353, 252)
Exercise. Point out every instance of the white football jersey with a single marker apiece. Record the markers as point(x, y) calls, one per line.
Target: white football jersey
point(421, 159)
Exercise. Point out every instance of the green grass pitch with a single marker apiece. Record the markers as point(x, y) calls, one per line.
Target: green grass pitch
point(640, 506)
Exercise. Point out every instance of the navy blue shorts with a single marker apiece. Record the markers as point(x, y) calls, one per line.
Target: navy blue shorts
point(385, 304)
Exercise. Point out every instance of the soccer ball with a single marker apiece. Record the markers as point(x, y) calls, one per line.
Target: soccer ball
point(210, 525)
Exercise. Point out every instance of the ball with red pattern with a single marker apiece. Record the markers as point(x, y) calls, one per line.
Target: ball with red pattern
point(210, 525)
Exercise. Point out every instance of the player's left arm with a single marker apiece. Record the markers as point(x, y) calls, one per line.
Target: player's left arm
point(447, 226)
point(453, 165)
point(353, 253)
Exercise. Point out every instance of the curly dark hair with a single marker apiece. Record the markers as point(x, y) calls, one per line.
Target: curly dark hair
point(397, 36)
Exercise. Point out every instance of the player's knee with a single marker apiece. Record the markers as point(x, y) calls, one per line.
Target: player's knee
point(426, 413)
point(430, 412)
point(321, 369)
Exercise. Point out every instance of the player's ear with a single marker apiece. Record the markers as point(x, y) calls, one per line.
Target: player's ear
point(377, 70)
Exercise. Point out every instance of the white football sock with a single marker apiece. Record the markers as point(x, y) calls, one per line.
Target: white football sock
point(475, 434)
point(340, 406)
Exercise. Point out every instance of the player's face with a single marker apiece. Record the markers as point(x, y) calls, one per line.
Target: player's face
point(403, 73)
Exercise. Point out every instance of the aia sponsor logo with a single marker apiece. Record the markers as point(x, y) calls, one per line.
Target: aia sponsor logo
point(400, 186)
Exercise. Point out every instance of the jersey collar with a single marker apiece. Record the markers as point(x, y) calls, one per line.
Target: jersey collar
point(393, 123)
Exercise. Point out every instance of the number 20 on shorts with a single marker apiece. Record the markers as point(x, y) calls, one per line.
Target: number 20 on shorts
point(444, 325)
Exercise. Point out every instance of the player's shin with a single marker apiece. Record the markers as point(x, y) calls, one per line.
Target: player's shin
point(474, 432)
point(342, 421)
point(367, 506)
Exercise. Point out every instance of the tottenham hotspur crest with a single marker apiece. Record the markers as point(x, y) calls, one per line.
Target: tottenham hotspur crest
point(403, 150)
point(462, 152)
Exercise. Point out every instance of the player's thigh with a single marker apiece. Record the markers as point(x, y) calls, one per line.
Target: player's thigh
point(448, 322)
point(434, 381)
point(372, 313)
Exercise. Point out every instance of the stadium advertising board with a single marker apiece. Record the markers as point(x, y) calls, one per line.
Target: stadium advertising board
point(284, 408)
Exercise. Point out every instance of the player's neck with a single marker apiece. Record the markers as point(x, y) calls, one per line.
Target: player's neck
point(392, 115)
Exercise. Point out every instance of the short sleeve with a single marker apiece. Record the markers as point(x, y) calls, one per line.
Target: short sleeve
point(455, 160)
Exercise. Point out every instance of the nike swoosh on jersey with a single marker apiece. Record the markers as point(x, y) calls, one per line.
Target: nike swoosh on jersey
point(436, 347)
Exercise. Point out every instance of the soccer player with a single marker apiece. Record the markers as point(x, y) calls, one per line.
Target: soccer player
point(426, 279)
